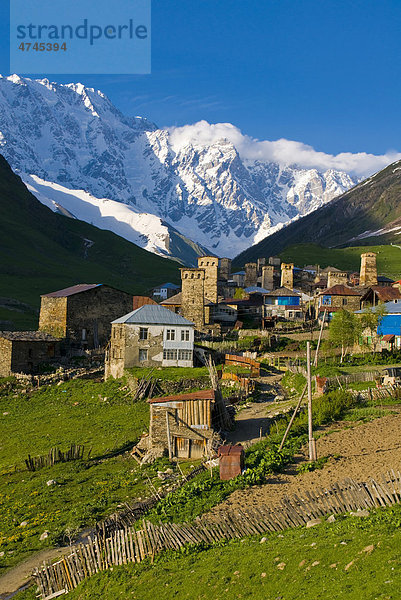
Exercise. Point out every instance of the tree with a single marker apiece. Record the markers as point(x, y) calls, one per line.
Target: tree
point(344, 331)
point(239, 293)
point(371, 319)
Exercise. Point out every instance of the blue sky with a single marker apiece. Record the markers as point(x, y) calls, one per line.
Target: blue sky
point(324, 72)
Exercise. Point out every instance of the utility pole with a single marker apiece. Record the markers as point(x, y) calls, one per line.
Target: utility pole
point(312, 442)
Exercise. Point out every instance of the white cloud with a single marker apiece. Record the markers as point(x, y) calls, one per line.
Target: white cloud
point(282, 151)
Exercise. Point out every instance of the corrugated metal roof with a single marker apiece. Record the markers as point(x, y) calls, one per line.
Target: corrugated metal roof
point(283, 291)
point(253, 289)
point(74, 289)
point(139, 301)
point(201, 395)
point(177, 299)
point(340, 290)
point(153, 315)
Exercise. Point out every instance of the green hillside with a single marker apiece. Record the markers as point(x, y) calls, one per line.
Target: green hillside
point(373, 205)
point(41, 251)
point(351, 558)
point(347, 259)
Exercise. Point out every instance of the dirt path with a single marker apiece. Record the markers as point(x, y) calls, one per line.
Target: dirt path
point(20, 575)
point(253, 421)
point(359, 452)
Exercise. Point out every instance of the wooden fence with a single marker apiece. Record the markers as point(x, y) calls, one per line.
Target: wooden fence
point(244, 381)
point(133, 546)
point(55, 455)
point(244, 361)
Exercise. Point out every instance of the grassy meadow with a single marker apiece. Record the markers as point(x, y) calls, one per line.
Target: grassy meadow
point(348, 259)
point(97, 415)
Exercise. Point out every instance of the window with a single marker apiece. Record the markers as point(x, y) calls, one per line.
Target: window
point(345, 301)
point(143, 333)
point(326, 301)
point(184, 354)
point(83, 335)
point(185, 335)
point(170, 335)
point(143, 355)
point(169, 354)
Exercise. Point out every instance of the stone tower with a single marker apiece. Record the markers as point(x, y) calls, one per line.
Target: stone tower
point(224, 269)
point(210, 264)
point(287, 275)
point(251, 274)
point(368, 274)
point(192, 301)
point(261, 264)
point(267, 277)
point(336, 278)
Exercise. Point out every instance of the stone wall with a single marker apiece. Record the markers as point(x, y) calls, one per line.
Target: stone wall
point(210, 264)
point(25, 356)
point(336, 278)
point(368, 274)
point(192, 299)
point(251, 274)
point(350, 303)
point(224, 268)
point(53, 316)
point(267, 277)
point(5, 357)
point(287, 275)
point(90, 313)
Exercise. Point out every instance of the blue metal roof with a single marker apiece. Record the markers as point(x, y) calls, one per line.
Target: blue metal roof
point(170, 286)
point(254, 289)
point(153, 314)
point(393, 307)
point(239, 273)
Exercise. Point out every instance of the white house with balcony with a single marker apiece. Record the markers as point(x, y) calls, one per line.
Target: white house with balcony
point(150, 336)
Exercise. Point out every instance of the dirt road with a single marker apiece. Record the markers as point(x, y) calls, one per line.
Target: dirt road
point(360, 452)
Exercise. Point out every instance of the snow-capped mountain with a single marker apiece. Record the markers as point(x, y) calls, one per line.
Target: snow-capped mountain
point(80, 155)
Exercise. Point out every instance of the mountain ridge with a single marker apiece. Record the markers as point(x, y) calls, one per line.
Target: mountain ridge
point(75, 137)
point(368, 214)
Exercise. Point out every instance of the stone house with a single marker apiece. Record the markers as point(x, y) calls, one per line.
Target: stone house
point(377, 294)
point(338, 297)
point(283, 302)
point(150, 336)
point(26, 351)
point(82, 314)
point(182, 425)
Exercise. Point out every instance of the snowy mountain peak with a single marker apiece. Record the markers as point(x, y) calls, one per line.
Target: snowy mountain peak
point(206, 182)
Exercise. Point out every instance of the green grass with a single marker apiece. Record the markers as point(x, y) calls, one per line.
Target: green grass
point(170, 373)
point(97, 415)
point(349, 259)
point(352, 558)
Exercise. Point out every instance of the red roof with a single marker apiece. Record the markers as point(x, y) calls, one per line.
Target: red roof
point(139, 301)
point(388, 338)
point(340, 290)
point(70, 291)
point(201, 395)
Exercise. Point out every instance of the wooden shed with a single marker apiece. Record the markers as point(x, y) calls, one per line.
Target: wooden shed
point(183, 424)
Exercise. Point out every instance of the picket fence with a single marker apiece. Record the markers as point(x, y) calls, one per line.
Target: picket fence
point(133, 546)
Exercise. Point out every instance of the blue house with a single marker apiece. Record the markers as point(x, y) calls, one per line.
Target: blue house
point(284, 303)
point(389, 328)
